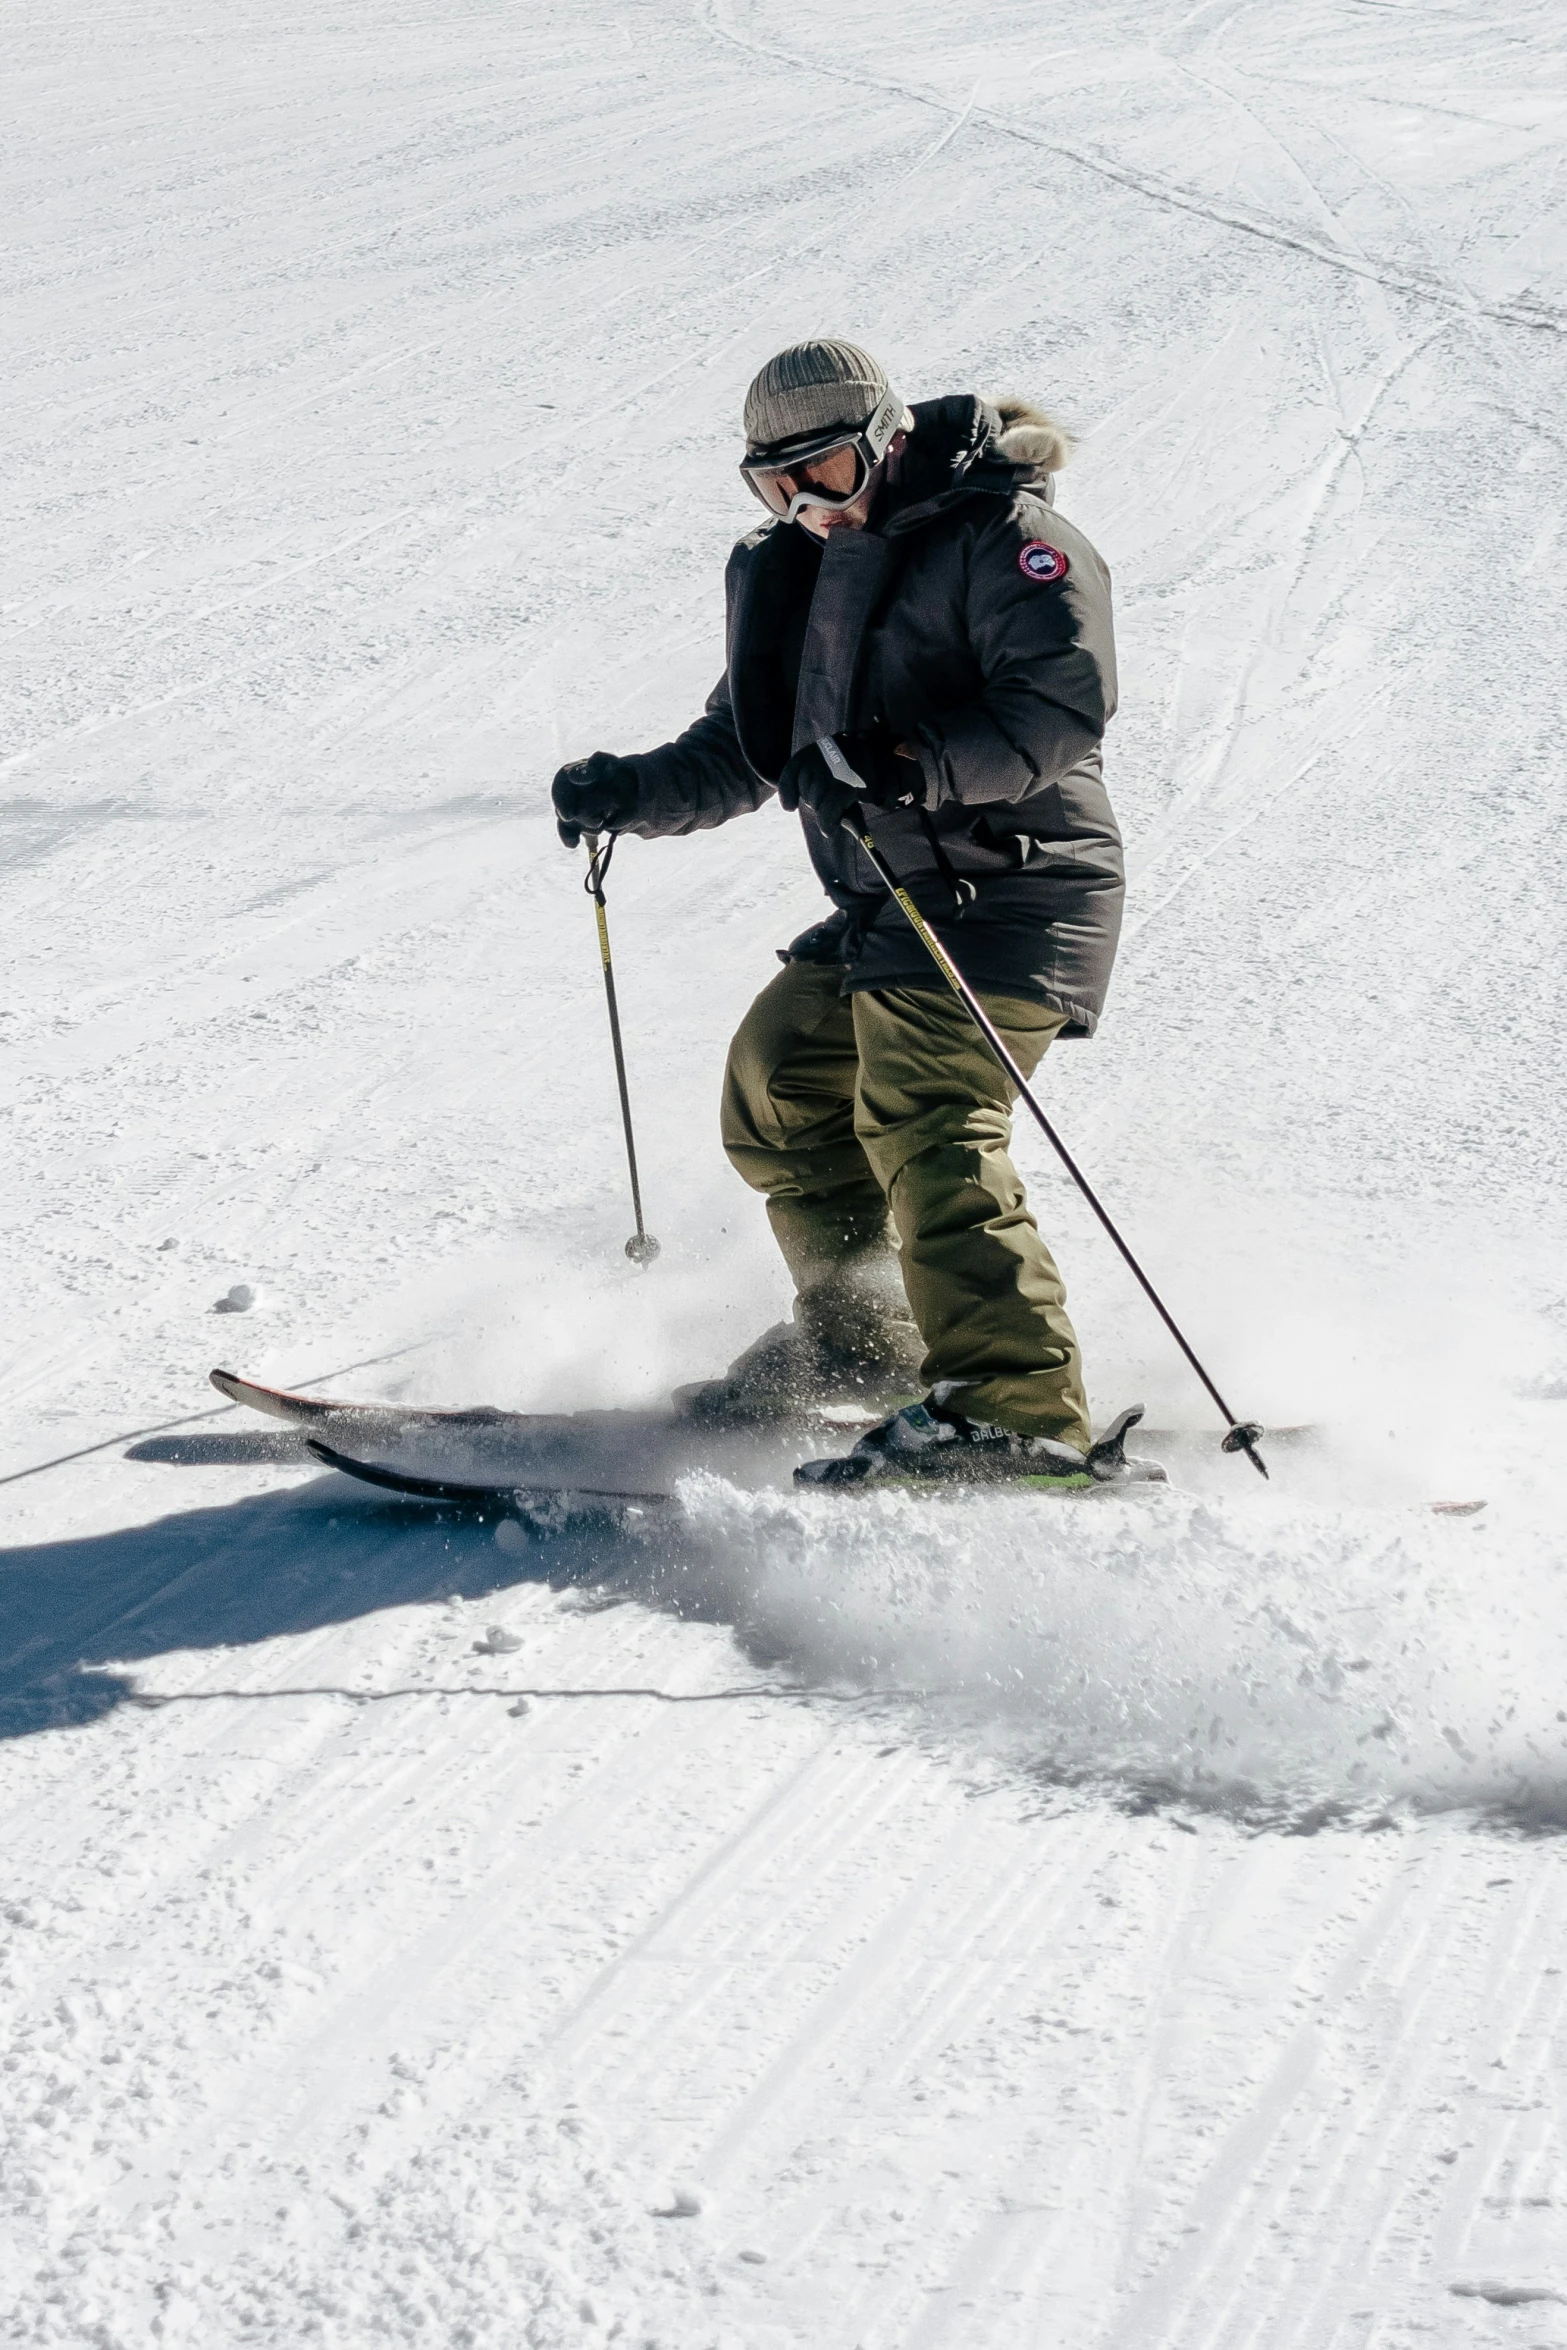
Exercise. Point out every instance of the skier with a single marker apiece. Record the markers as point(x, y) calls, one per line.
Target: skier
point(912, 595)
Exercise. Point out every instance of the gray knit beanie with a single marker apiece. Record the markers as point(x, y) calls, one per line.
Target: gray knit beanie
point(809, 387)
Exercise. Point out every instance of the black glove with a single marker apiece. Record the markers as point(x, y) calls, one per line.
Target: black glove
point(889, 778)
point(596, 794)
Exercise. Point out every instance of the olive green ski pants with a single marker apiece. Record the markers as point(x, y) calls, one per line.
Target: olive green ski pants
point(837, 1107)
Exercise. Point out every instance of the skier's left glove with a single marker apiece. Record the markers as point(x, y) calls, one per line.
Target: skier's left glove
point(889, 773)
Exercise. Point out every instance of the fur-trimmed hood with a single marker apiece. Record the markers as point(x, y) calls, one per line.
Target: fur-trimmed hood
point(1029, 437)
point(962, 444)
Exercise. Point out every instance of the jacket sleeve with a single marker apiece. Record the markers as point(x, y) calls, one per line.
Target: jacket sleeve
point(1038, 620)
point(699, 780)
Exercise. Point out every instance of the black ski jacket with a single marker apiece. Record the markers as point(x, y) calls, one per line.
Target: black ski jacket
point(971, 620)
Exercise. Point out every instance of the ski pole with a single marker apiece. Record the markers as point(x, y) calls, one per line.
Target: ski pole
point(641, 1248)
point(1243, 1435)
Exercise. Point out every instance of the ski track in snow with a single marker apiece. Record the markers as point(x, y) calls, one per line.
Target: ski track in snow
point(902, 1927)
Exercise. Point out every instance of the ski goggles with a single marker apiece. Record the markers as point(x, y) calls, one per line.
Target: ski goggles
point(829, 468)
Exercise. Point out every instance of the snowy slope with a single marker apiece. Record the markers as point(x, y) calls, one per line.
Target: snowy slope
point(898, 1927)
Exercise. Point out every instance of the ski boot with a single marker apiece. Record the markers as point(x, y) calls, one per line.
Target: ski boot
point(930, 1442)
point(851, 1344)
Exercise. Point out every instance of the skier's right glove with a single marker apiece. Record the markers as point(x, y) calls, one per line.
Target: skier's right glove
point(888, 772)
point(596, 794)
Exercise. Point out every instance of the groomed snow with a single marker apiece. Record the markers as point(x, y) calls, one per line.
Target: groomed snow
point(779, 1926)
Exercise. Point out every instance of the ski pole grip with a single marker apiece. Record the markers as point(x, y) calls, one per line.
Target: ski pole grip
point(837, 765)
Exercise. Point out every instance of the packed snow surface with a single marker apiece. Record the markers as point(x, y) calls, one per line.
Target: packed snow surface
point(774, 1922)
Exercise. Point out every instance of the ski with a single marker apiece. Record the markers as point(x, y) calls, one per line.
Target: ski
point(481, 1458)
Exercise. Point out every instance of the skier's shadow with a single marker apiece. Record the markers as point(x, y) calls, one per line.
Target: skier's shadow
point(76, 1616)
